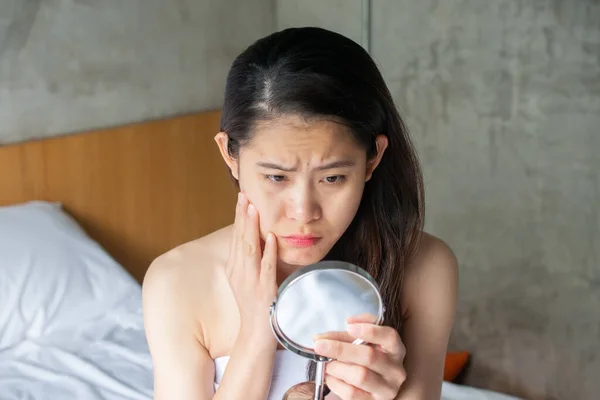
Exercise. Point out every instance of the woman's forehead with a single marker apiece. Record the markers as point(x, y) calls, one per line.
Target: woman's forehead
point(297, 136)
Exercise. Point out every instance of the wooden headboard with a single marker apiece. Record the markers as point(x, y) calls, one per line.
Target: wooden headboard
point(138, 190)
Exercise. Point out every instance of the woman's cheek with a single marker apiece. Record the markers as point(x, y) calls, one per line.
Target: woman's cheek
point(265, 209)
point(344, 215)
point(255, 198)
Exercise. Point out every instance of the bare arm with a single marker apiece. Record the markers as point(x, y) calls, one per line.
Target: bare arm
point(430, 296)
point(183, 368)
point(249, 370)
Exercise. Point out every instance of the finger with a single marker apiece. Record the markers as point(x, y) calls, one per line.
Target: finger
point(251, 237)
point(335, 335)
point(268, 270)
point(365, 318)
point(240, 219)
point(366, 356)
point(235, 234)
point(345, 391)
point(347, 352)
point(359, 377)
point(344, 336)
point(386, 337)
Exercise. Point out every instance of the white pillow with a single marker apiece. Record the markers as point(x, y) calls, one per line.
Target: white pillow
point(53, 276)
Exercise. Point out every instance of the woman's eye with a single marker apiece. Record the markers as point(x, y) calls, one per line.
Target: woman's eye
point(334, 179)
point(275, 178)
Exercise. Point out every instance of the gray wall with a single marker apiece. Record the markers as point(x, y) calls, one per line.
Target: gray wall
point(503, 99)
point(73, 65)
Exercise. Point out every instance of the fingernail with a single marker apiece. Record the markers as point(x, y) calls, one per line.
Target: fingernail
point(251, 210)
point(354, 330)
point(240, 198)
point(270, 237)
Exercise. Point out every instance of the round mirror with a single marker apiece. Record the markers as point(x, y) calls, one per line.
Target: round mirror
point(318, 299)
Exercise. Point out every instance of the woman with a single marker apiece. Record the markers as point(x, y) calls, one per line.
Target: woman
point(325, 169)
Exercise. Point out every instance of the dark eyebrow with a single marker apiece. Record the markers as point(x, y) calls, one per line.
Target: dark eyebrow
point(337, 164)
point(331, 165)
point(275, 166)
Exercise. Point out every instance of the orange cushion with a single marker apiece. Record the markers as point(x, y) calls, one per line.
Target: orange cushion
point(455, 363)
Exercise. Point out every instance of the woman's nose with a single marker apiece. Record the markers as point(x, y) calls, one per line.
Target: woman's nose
point(304, 207)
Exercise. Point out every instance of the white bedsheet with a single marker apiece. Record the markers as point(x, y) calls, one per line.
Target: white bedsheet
point(106, 360)
point(451, 391)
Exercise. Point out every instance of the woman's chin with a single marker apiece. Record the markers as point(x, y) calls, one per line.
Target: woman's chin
point(300, 257)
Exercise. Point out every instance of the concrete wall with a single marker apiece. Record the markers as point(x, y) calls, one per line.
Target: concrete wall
point(503, 99)
point(343, 16)
point(73, 65)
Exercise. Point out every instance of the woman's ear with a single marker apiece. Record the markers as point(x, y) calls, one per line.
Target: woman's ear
point(222, 140)
point(381, 142)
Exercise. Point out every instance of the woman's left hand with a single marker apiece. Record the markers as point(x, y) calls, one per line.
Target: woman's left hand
point(374, 371)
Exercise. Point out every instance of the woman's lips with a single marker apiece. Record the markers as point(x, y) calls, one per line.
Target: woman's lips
point(301, 240)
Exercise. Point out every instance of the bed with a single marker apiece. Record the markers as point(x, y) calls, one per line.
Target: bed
point(81, 218)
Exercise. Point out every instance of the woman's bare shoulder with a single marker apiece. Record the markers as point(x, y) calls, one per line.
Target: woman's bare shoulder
point(431, 250)
point(190, 267)
point(183, 284)
point(196, 253)
point(433, 271)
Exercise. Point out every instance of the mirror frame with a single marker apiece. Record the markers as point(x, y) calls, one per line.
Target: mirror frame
point(295, 277)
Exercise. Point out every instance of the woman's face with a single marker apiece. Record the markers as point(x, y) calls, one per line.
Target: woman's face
point(306, 179)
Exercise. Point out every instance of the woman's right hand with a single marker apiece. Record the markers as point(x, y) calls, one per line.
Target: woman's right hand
point(252, 272)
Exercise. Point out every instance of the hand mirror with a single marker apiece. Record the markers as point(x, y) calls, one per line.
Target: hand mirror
point(318, 299)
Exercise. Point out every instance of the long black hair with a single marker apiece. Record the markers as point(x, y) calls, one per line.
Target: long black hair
point(315, 73)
